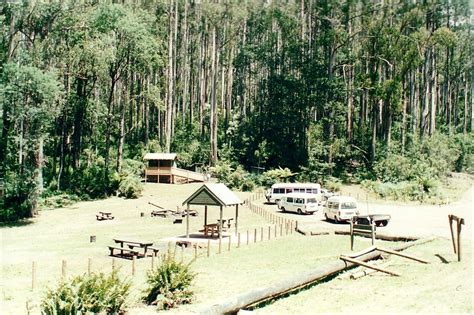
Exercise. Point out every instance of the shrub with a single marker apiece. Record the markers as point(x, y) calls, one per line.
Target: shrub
point(247, 184)
point(333, 184)
point(57, 201)
point(169, 284)
point(130, 186)
point(92, 293)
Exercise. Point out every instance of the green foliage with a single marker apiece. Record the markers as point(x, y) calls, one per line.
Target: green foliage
point(17, 202)
point(51, 200)
point(89, 180)
point(279, 174)
point(130, 186)
point(94, 293)
point(169, 284)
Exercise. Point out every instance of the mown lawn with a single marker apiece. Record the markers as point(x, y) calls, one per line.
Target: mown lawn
point(63, 234)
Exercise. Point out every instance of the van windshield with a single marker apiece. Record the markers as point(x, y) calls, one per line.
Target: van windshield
point(311, 200)
point(348, 205)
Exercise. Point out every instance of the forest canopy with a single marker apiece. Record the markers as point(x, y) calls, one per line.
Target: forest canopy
point(351, 89)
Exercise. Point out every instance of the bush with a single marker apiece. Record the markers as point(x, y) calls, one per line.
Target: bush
point(58, 201)
point(169, 284)
point(130, 187)
point(92, 293)
point(247, 185)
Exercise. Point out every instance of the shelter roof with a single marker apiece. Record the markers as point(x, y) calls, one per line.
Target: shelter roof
point(213, 195)
point(160, 156)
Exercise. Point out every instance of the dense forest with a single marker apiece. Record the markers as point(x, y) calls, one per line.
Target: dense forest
point(353, 89)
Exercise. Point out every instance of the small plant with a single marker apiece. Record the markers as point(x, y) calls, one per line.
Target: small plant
point(169, 284)
point(92, 293)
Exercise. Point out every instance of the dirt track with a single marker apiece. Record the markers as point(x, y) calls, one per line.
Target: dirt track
point(407, 219)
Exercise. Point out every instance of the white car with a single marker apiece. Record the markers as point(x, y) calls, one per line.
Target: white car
point(327, 194)
point(300, 203)
point(340, 208)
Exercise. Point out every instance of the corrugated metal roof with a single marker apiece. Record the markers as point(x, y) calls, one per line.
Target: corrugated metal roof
point(160, 156)
point(219, 193)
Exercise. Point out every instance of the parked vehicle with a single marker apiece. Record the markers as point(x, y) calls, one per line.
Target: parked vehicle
point(377, 219)
point(326, 194)
point(301, 203)
point(277, 191)
point(340, 208)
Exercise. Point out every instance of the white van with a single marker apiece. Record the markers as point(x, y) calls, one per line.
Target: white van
point(340, 208)
point(280, 189)
point(301, 203)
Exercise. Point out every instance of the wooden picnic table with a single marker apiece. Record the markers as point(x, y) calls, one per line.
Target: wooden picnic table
point(211, 229)
point(133, 244)
point(224, 220)
point(104, 216)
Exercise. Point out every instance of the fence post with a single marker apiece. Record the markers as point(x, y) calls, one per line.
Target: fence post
point(134, 259)
point(281, 229)
point(238, 240)
point(208, 248)
point(261, 234)
point(255, 236)
point(291, 227)
point(64, 266)
point(275, 230)
point(195, 251)
point(269, 232)
point(220, 245)
point(247, 237)
point(33, 275)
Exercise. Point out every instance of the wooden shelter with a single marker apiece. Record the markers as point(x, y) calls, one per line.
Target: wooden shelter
point(161, 168)
point(213, 195)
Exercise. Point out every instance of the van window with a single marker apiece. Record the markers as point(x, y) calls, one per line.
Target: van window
point(301, 190)
point(278, 190)
point(288, 190)
point(332, 205)
point(348, 205)
point(289, 199)
point(311, 200)
point(299, 200)
point(315, 191)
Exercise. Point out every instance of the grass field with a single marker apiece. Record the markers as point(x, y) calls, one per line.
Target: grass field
point(64, 234)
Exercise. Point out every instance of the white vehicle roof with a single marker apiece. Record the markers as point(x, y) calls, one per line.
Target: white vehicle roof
point(342, 199)
point(300, 195)
point(296, 185)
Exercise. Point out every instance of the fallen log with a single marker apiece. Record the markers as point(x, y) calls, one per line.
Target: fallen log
point(383, 237)
point(258, 295)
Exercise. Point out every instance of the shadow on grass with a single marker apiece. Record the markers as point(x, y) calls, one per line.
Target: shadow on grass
point(20, 223)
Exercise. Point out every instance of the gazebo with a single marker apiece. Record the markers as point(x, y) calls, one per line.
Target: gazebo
point(213, 195)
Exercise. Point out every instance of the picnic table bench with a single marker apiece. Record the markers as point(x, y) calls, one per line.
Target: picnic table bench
point(228, 220)
point(159, 213)
point(210, 229)
point(132, 247)
point(104, 216)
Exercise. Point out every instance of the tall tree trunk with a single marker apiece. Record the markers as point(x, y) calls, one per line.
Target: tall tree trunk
point(169, 102)
point(213, 118)
point(433, 89)
point(122, 108)
point(186, 71)
point(466, 102)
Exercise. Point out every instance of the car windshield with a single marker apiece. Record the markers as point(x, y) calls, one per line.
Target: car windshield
point(348, 205)
point(311, 200)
